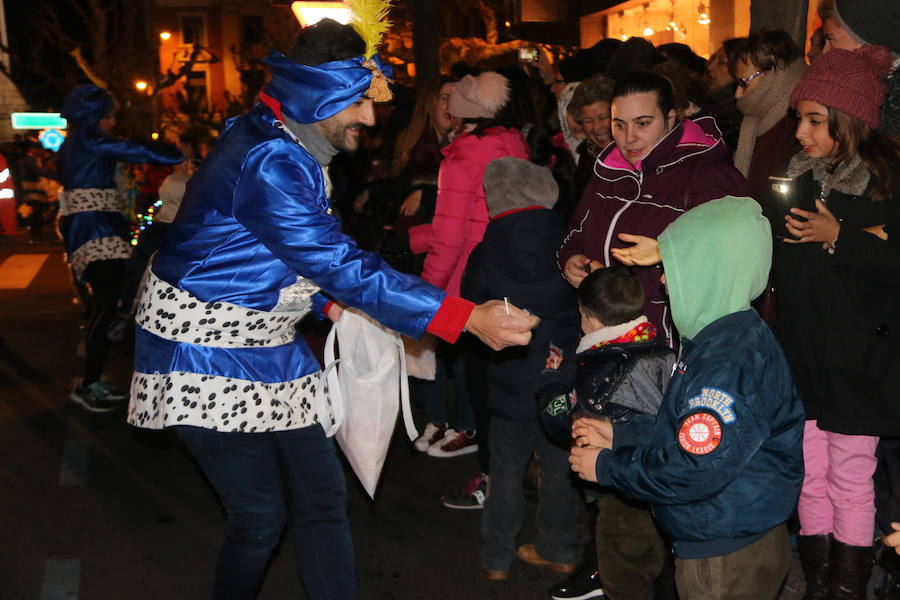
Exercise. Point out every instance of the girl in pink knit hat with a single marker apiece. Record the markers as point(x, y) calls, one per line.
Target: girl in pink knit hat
point(837, 275)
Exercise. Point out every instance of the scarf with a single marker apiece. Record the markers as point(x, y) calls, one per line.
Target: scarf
point(314, 142)
point(763, 107)
point(849, 177)
point(638, 330)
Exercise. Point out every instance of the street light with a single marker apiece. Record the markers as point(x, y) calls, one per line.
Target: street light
point(140, 85)
point(309, 13)
point(165, 35)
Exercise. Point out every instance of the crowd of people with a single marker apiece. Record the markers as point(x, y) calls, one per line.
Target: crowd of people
point(667, 283)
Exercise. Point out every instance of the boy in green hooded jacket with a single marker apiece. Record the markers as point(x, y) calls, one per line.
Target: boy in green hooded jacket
point(722, 465)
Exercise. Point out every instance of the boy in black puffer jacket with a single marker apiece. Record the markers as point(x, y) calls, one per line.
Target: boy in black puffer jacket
point(621, 373)
point(516, 259)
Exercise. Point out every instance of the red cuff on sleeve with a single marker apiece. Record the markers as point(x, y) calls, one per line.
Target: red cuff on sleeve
point(327, 307)
point(450, 319)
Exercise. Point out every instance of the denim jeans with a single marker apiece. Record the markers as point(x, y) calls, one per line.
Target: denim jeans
point(435, 393)
point(260, 478)
point(512, 446)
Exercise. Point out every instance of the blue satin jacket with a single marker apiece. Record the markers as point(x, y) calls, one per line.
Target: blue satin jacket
point(87, 160)
point(254, 218)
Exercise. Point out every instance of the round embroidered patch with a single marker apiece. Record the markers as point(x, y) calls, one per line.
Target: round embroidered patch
point(700, 433)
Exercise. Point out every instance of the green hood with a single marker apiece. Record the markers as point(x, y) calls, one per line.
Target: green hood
point(716, 258)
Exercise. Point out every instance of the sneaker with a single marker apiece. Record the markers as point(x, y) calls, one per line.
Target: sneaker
point(114, 394)
point(454, 443)
point(92, 398)
point(432, 434)
point(471, 497)
point(527, 553)
point(582, 585)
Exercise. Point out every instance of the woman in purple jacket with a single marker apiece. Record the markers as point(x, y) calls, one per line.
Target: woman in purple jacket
point(658, 168)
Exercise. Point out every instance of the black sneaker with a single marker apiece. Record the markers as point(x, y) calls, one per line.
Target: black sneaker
point(583, 584)
point(471, 497)
point(92, 397)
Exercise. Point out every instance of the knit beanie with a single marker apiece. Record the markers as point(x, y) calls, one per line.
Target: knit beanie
point(511, 183)
point(479, 97)
point(851, 82)
point(875, 21)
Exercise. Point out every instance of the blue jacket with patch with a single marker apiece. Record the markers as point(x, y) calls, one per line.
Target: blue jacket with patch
point(723, 463)
point(713, 492)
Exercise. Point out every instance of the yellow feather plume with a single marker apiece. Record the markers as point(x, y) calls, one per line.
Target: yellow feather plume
point(370, 22)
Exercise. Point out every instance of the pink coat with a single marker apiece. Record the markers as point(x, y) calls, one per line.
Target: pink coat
point(460, 215)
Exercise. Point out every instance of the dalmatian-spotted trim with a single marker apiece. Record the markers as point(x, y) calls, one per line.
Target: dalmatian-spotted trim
point(223, 403)
point(89, 199)
point(177, 315)
point(106, 248)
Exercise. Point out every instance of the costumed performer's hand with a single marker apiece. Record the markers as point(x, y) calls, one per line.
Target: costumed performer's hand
point(493, 326)
point(820, 226)
point(644, 252)
point(592, 433)
point(334, 312)
point(577, 268)
point(584, 462)
point(412, 203)
point(893, 540)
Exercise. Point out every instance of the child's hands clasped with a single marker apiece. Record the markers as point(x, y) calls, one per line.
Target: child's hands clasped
point(591, 436)
point(592, 433)
point(584, 462)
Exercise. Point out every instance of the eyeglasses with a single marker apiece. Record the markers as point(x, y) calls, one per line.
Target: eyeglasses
point(744, 81)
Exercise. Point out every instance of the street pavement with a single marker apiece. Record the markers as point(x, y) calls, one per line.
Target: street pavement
point(93, 509)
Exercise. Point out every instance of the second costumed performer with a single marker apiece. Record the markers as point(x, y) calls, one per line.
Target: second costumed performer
point(253, 250)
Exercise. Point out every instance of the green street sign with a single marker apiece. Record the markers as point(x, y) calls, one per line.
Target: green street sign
point(36, 120)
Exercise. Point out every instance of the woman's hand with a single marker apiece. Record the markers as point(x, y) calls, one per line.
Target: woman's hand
point(820, 226)
point(578, 267)
point(644, 252)
point(412, 203)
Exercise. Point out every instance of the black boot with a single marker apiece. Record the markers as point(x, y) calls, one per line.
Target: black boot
point(851, 567)
point(814, 555)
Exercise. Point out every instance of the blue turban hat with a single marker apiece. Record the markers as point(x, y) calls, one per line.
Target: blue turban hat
point(309, 94)
point(87, 104)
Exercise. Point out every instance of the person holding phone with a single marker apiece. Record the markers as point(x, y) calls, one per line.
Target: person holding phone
point(837, 304)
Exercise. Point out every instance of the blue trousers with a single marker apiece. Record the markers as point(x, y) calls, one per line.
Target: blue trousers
point(261, 478)
point(512, 446)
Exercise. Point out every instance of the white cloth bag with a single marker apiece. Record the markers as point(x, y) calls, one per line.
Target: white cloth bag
point(367, 385)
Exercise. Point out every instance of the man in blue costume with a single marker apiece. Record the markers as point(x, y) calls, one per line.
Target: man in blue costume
point(93, 227)
point(255, 248)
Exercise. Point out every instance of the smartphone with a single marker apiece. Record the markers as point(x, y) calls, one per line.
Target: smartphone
point(528, 54)
point(780, 195)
